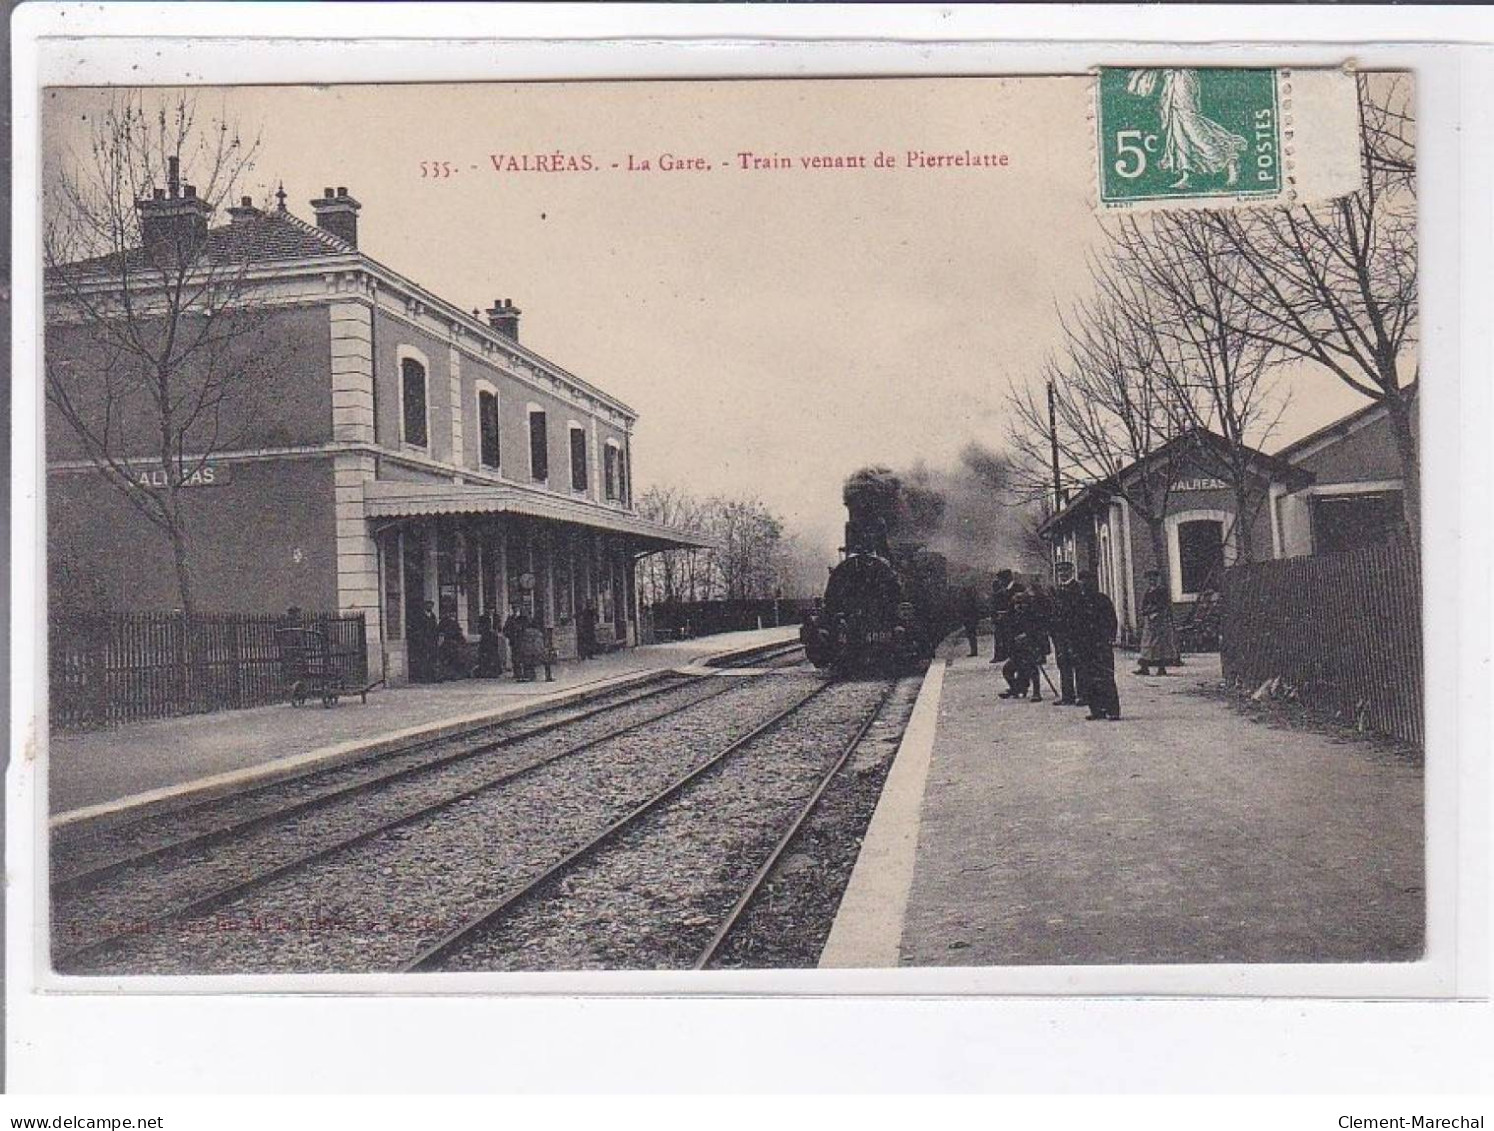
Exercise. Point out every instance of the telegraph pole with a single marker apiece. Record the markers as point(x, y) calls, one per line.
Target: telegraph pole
point(1053, 450)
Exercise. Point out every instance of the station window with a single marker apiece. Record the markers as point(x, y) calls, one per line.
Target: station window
point(539, 446)
point(578, 459)
point(1346, 522)
point(1200, 554)
point(412, 394)
point(487, 427)
point(611, 467)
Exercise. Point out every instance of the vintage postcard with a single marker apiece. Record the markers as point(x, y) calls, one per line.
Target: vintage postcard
point(733, 526)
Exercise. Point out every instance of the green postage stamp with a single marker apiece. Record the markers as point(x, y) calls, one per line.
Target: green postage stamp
point(1179, 134)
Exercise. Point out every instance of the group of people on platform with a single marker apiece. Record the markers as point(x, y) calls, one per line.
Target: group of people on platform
point(1077, 624)
point(439, 650)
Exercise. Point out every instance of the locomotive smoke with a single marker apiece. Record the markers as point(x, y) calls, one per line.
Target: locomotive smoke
point(965, 513)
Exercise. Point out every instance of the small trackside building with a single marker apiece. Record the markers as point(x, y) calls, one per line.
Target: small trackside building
point(1336, 489)
point(398, 450)
point(1355, 495)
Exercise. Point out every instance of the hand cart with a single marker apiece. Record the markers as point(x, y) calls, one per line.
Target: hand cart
point(309, 669)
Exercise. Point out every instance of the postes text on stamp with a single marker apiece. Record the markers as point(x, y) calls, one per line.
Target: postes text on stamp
point(1188, 133)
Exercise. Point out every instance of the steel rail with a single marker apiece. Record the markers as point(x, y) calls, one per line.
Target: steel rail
point(204, 904)
point(85, 877)
point(92, 876)
point(713, 947)
point(431, 955)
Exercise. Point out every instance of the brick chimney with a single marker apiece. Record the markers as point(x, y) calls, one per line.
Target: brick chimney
point(338, 213)
point(244, 210)
point(173, 220)
point(503, 316)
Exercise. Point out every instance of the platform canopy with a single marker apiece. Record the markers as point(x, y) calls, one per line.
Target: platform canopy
point(395, 500)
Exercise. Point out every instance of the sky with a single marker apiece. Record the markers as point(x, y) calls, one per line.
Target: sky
point(775, 328)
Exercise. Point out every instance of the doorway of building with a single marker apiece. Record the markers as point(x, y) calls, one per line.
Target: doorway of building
point(419, 641)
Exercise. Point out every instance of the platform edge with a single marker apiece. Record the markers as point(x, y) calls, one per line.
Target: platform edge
point(868, 927)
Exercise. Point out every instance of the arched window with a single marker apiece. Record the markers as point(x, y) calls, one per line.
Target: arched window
point(415, 409)
point(488, 454)
point(1200, 546)
point(1200, 554)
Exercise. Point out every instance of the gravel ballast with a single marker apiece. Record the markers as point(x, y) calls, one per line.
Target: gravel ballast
point(372, 907)
point(652, 898)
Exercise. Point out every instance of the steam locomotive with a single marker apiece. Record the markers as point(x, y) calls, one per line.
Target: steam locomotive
point(886, 604)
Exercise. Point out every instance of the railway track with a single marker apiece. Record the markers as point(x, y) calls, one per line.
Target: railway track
point(189, 838)
point(562, 898)
point(94, 855)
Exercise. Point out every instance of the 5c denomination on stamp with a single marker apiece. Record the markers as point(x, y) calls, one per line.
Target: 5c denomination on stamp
point(1188, 134)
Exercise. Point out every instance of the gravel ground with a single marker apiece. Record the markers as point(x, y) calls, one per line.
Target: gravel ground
point(79, 848)
point(652, 898)
point(786, 924)
point(1294, 716)
point(127, 898)
point(373, 907)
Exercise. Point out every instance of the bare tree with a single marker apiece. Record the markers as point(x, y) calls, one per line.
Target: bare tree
point(744, 561)
point(158, 343)
point(671, 576)
point(1113, 414)
point(1172, 278)
point(1335, 283)
point(747, 536)
point(1389, 129)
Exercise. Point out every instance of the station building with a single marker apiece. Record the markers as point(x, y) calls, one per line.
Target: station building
point(399, 450)
point(1336, 489)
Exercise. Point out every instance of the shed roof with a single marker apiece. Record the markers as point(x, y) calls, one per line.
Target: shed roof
point(390, 500)
point(1195, 439)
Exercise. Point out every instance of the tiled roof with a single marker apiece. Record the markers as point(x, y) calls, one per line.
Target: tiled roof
point(269, 237)
point(273, 236)
point(1343, 425)
point(279, 236)
point(1267, 466)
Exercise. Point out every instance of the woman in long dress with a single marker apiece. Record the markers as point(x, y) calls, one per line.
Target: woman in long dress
point(1193, 142)
point(1159, 636)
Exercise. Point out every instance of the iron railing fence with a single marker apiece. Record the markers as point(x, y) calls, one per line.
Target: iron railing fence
point(122, 667)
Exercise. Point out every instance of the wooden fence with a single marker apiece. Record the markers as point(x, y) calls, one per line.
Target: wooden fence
point(1343, 630)
point(674, 619)
point(121, 667)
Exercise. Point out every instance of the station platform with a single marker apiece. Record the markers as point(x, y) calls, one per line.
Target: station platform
point(1017, 833)
point(98, 773)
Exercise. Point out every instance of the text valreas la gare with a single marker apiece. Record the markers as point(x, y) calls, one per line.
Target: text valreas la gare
point(744, 161)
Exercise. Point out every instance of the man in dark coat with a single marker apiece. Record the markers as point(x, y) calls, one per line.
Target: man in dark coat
point(1001, 611)
point(491, 646)
point(423, 644)
point(1068, 599)
point(451, 647)
point(1029, 646)
point(586, 632)
point(1097, 651)
point(513, 631)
